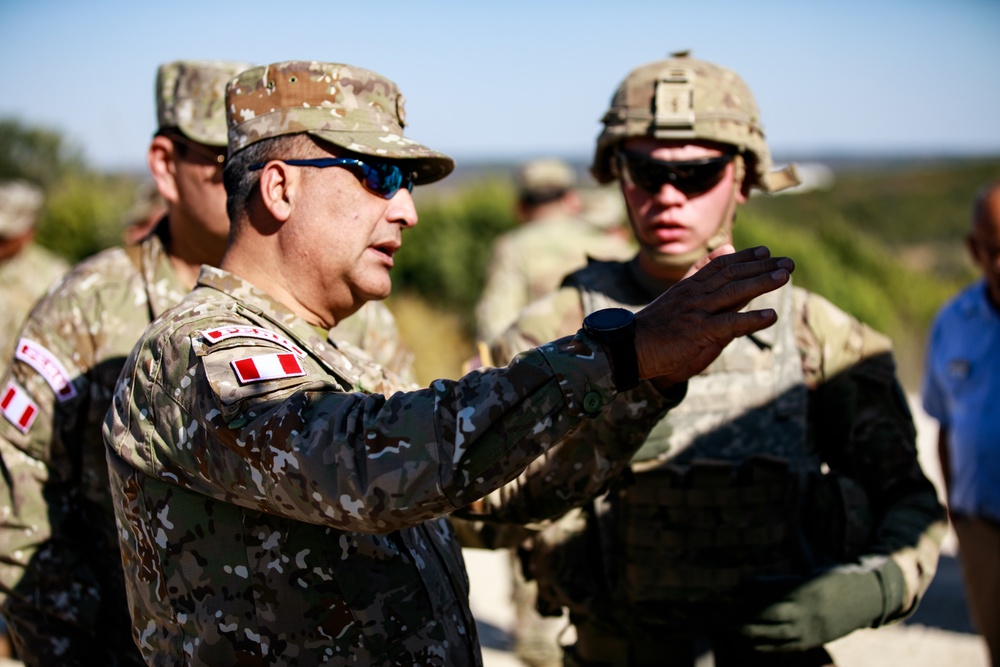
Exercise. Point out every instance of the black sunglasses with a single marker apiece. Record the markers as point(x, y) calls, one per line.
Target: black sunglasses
point(215, 155)
point(380, 178)
point(692, 177)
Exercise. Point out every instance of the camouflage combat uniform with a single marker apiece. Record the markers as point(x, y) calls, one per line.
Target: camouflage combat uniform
point(277, 501)
point(61, 572)
point(24, 278)
point(728, 492)
point(530, 261)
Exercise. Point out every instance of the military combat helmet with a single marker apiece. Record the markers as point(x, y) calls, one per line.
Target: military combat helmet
point(685, 98)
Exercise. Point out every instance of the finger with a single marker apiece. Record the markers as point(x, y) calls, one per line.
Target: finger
point(721, 262)
point(723, 327)
point(732, 295)
point(724, 249)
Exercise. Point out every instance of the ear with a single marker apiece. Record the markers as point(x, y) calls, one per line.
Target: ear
point(278, 184)
point(160, 158)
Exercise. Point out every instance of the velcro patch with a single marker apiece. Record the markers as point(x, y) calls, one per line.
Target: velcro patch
point(213, 336)
point(17, 407)
point(47, 366)
point(267, 367)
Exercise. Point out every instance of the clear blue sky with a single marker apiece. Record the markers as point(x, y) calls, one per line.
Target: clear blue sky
point(519, 78)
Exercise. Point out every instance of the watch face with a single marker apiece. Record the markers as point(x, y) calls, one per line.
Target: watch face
point(609, 319)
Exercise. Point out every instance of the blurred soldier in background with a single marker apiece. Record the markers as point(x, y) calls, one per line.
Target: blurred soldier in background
point(781, 505)
point(553, 239)
point(60, 566)
point(962, 391)
point(26, 270)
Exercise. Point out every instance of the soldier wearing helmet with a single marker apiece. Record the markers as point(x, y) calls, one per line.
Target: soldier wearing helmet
point(781, 505)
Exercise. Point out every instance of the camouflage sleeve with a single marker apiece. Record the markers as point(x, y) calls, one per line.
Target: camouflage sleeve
point(307, 449)
point(864, 430)
point(504, 294)
point(582, 465)
point(44, 401)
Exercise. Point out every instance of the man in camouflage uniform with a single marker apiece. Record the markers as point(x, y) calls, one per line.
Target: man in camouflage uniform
point(278, 503)
point(60, 573)
point(553, 239)
point(781, 505)
point(26, 270)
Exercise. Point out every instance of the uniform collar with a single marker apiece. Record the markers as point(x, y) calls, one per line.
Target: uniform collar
point(163, 288)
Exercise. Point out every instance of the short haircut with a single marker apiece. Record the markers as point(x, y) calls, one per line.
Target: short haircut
point(240, 182)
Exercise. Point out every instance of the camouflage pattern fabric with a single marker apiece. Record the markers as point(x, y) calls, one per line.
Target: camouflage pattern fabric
point(858, 426)
point(60, 565)
point(531, 260)
point(278, 501)
point(345, 105)
point(190, 95)
point(60, 571)
point(686, 98)
point(24, 278)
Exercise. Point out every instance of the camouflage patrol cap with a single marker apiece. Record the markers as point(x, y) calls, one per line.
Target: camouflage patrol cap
point(20, 202)
point(190, 96)
point(347, 106)
point(544, 177)
point(685, 98)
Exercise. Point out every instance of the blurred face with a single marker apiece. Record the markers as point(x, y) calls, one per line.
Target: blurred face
point(346, 237)
point(679, 194)
point(984, 245)
point(200, 196)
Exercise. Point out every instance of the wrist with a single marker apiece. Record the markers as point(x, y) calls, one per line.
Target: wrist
point(614, 329)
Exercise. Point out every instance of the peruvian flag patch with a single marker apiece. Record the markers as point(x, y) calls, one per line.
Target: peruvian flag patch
point(213, 336)
point(47, 366)
point(267, 367)
point(17, 407)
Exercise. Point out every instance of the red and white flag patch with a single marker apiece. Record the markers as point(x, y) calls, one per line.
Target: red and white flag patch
point(17, 407)
point(47, 366)
point(267, 367)
point(213, 336)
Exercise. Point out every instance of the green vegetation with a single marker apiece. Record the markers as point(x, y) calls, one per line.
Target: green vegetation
point(84, 209)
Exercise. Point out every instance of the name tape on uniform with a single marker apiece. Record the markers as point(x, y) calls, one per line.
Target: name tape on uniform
point(17, 407)
point(267, 367)
point(47, 366)
point(213, 336)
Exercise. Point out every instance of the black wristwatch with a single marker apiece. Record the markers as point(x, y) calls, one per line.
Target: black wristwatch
point(615, 328)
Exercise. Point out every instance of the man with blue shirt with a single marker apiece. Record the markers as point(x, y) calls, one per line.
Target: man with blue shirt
point(961, 390)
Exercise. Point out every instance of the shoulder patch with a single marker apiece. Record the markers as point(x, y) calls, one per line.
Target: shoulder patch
point(47, 366)
point(213, 336)
point(267, 367)
point(17, 407)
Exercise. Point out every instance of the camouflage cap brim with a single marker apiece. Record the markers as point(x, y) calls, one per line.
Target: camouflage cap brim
point(346, 106)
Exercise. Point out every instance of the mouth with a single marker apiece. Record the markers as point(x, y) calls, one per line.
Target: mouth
point(386, 250)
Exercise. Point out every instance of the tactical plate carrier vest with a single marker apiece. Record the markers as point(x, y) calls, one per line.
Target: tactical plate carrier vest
point(714, 494)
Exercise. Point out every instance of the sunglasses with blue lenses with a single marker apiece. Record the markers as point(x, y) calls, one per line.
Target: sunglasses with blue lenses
point(692, 177)
point(380, 178)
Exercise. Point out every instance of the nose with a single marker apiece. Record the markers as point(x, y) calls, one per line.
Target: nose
point(670, 195)
point(402, 209)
